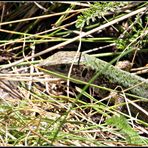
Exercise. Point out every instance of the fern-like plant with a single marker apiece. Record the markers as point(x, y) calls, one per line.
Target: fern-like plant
point(97, 10)
point(131, 136)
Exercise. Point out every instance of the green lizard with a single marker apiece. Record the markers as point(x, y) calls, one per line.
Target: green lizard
point(86, 66)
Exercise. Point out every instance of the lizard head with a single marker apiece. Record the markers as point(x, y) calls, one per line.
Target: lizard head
point(78, 71)
point(60, 62)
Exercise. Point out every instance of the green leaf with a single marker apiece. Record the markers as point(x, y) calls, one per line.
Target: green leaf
point(131, 136)
point(97, 9)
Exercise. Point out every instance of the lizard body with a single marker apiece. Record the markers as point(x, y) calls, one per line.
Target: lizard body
point(86, 66)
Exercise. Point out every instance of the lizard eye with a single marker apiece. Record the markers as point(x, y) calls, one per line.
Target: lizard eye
point(84, 72)
point(62, 67)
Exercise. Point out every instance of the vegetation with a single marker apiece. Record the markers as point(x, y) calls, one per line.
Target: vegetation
point(40, 110)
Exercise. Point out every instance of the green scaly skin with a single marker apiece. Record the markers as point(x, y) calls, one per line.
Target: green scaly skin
point(60, 62)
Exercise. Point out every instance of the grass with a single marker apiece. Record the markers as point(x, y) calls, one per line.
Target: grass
point(35, 109)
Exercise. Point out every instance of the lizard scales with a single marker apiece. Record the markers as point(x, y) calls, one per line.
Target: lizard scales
point(114, 75)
